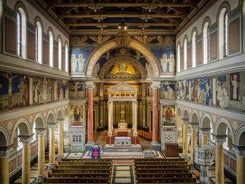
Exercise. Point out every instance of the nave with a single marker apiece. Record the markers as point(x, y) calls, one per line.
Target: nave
point(120, 168)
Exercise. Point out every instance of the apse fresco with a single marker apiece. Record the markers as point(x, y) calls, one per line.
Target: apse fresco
point(79, 57)
point(201, 91)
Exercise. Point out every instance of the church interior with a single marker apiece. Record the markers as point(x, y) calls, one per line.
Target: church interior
point(131, 92)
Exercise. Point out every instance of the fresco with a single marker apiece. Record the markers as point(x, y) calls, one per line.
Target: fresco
point(79, 58)
point(201, 91)
point(168, 114)
point(168, 90)
point(222, 92)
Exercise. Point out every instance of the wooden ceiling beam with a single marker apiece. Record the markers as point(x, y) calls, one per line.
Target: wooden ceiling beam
point(142, 16)
point(120, 5)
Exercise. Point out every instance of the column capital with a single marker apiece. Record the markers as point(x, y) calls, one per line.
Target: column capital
point(185, 121)
point(205, 131)
point(194, 124)
point(155, 84)
point(220, 139)
point(52, 124)
point(5, 151)
point(239, 150)
point(25, 139)
point(60, 120)
point(89, 84)
point(41, 131)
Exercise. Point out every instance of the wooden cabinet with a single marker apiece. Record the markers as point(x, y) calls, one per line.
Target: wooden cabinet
point(171, 149)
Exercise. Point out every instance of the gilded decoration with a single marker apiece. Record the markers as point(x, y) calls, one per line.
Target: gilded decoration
point(122, 66)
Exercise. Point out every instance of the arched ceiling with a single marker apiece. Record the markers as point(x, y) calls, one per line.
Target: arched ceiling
point(142, 17)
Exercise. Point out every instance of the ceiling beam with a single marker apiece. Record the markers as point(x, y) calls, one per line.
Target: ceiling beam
point(144, 16)
point(120, 5)
point(115, 24)
point(129, 31)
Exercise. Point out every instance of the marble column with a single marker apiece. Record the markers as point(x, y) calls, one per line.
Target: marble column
point(90, 120)
point(240, 164)
point(143, 113)
point(204, 132)
point(61, 138)
point(185, 135)
point(155, 125)
point(135, 132)
point(194, 127)
point(4, 164)
point(41, 132)
point(219, 160)
point(51, 127)
point(110, 118)
point(26, 158)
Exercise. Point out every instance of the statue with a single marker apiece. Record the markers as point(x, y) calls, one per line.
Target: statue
point(122, 114)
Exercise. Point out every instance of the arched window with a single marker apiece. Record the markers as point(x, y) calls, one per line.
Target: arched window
point(185, 54)
point(51, 49)
point(59, 53)
point(66, 57)
point(205, 43)
point(38, 40)
point(178, 58)
point(194, 49)
point(223, 33)
point(21, 33)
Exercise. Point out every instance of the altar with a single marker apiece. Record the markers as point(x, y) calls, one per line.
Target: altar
point(122, 141)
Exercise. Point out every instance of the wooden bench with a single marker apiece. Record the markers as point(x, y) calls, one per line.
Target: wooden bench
point(77, 180)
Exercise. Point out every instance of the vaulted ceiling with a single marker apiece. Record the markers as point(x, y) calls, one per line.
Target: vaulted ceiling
point(142, 17)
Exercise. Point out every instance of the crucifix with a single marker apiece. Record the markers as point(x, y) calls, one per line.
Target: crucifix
point(122, 114)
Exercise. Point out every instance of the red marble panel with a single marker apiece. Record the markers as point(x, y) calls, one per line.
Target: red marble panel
point(55, 57)
point(234, 36)
point(12, 165)
point(199, 53)
point(31, 45)
point(45, 52)
point(10, 36)
point(189, 58)
point(213, 46)
point(233, 164)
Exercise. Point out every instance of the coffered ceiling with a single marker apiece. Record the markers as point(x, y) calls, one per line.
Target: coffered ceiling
point(149, 17)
